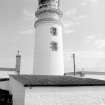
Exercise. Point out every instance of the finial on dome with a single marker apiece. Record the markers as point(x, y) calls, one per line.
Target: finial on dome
point(18, 52)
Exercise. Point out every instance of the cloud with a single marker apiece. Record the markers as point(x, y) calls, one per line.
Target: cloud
point(68, 24)
point(86, 2)
point(67, 56)
point(72, 19)
point(88, 59)
point(67, 27)
point(30, 31)
point(90, 54)
point(83, 4)
point(70, 12)
point(100, 43)
point(84, 54)
point(89, 37)
point(68, 31)
point(78, 23)
point(28, 15)
point(82, 16)
point(95, 39)
point(93, 1)
point(78, 19)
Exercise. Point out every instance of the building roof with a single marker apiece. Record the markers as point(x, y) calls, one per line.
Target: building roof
point(45, 80)
point(7, 69)
point(86, 72)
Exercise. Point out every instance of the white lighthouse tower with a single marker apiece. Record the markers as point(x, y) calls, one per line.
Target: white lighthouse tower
point(48, 58)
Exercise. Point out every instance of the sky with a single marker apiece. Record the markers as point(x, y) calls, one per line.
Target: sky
point(83, 33)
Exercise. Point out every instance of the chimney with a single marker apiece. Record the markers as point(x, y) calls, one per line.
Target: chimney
point(18, 62)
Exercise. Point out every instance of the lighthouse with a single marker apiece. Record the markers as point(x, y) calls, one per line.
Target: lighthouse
point(48, 51)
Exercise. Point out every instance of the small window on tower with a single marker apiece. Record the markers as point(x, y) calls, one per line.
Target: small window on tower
point(53, 31)
point(54, 46)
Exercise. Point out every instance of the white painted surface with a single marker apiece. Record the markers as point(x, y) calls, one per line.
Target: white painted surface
point(54, 16)
point(5, 74)
point(46, 61)
point(18, 92)
point(101, 77)
point(88, 95)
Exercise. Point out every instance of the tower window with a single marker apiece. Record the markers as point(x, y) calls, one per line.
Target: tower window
point(53, 31)
point(54, 46)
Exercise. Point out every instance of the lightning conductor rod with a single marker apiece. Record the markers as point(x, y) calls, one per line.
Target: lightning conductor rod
point(74, 64)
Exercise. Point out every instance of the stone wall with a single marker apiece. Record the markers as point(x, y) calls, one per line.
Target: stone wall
point(85, 95)
point(5, 98)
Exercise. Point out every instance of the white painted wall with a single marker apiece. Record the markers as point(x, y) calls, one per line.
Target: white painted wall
point(46, 61)
point(88, 95)
point(18, 91)
point(5, 74)
point(101, 77)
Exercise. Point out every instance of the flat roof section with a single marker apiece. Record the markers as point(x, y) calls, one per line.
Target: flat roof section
point(47, 80)
point(86, 72)
point(7, 69)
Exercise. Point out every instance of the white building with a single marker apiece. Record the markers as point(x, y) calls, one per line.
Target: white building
point(48, 85)
point(5, 72)
point(48, 57)
point(87, 74)
point(56, 90)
